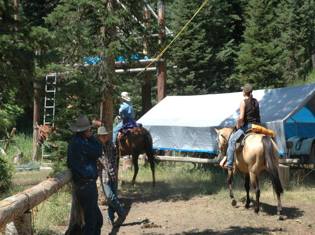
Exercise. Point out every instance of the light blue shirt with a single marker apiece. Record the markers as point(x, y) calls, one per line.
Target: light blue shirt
point(126, 112)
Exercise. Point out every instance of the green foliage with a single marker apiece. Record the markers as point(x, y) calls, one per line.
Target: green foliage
point(6, 172)
point(260, 57)
point(204, 52)
point(293, 22)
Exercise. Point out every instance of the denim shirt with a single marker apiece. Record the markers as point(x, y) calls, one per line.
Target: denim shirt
point(82, 157)
point(126, 111)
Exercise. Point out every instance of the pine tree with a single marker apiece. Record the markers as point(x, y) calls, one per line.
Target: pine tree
point(293, 19)
point(260, 59)
point(204, 51)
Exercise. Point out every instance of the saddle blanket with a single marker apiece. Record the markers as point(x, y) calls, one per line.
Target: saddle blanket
point(128, 126)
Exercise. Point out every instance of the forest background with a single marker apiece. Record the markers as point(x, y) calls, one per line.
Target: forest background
point(267, 43)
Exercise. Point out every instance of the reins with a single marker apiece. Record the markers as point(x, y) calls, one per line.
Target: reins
point(227, 140)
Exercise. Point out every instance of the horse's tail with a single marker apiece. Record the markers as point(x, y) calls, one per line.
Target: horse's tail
point(272, 160)
point(148, 143)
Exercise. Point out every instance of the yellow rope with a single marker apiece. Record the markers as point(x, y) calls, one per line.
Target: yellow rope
point(159, 56)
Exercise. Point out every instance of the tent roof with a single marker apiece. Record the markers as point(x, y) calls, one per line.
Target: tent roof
point(186, 122)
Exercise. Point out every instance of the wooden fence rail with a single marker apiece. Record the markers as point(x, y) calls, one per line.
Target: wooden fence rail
point(14, 207)
point(216, 161)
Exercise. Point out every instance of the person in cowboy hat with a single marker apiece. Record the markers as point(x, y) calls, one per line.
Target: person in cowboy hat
point(83, 151)
point(108, 172)
point(249, 114)
point(126, 114)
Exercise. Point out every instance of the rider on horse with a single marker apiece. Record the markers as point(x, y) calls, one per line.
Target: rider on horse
point(126, 114)
point(249, 114)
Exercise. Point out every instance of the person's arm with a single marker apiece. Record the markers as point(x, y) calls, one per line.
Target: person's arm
point(92, 147)
point(241, 117)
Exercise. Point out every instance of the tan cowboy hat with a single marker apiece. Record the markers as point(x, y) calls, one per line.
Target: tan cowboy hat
point(101, 131)
point(82, 124)
point(124, 96)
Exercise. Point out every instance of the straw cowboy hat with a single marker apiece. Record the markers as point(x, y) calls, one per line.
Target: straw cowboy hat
point(82, 124)
point(124, 96)
point(101, 131)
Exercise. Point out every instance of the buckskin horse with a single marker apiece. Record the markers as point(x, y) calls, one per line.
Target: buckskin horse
point(258, 153)
point(138, 140)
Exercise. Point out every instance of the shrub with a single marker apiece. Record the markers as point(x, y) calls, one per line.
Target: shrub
point(6, 173)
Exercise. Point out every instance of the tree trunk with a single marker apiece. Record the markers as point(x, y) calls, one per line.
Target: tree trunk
point(162, 64)
point(146, 86)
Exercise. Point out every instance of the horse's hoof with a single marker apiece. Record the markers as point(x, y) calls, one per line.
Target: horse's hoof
point(233, 202)
point(280, 217)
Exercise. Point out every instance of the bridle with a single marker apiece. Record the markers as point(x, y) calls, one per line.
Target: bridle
point(226, 141)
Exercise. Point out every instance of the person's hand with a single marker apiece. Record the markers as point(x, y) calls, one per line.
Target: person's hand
point(87, 134)
point(117, 119)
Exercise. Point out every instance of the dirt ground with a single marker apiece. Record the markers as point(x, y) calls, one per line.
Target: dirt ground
point(160, 213)
point(210, 215)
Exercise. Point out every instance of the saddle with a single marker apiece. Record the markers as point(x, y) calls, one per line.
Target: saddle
point(240, 140)
point(256, 129)
point(125, 129)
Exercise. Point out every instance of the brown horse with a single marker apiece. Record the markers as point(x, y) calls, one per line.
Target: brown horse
point(259, 153)
point(138, 141)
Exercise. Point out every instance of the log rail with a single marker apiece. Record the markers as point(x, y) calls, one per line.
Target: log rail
point(15, 206)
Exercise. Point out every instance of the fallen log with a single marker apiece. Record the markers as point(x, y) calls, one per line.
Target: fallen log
point(15, 206)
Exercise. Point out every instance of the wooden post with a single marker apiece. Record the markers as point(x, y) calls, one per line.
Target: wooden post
point(146, 86)
point(162, 64)
point(109, 72)
point(21, 225)
point(10, 139)
point(36, 113)
point(284, 174)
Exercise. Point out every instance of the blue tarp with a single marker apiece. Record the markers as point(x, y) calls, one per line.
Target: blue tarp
point(94, 60)
point(301, 124)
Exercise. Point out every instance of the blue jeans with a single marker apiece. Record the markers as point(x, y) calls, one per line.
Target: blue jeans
point(230, 155)
point(110, 191)
point(87, 195)
point(116, 130)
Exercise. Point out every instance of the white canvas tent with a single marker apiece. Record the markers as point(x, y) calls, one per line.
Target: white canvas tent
point(186, 123)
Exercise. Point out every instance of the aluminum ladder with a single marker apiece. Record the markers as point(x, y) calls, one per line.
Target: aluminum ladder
point(49, 108)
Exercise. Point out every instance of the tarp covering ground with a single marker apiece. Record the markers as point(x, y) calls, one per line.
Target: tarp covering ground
point(186, 123)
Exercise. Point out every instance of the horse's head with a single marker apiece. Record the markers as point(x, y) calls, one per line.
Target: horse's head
point(43, 133)
point(222, 140)
point(95, 125)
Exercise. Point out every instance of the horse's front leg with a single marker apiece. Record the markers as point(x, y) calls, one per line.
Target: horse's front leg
point(230, 182)
point(247, 190)
point(136, 168)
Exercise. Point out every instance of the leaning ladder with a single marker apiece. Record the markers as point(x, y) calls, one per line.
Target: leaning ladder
point(49, 107)
point(49, 104)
